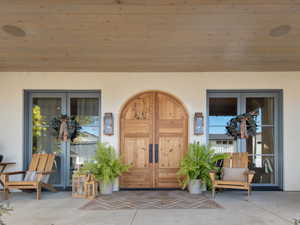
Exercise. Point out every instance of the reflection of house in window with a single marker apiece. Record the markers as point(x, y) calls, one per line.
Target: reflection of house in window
point(256, 150)
point(83, 148)
point(221, 111)
point(222, 143)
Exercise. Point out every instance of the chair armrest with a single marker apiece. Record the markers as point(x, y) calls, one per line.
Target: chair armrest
point(13, 173)
point(212, 175)
point(5, 176)
point(250, 174)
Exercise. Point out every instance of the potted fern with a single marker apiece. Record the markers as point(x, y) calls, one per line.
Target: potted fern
point(106, 167)
point(196, 165)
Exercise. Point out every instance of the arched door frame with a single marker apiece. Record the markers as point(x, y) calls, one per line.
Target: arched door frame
point(156, 92)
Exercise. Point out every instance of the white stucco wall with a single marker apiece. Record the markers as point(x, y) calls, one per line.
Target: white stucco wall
point(116, 88)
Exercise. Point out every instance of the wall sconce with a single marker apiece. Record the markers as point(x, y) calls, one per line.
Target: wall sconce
point(108, 124)
point(198, 124)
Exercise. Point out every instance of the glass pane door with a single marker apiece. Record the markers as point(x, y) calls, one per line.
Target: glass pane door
point(43, 110)
point(85, 112)
point(264, 155)
point(261, 148)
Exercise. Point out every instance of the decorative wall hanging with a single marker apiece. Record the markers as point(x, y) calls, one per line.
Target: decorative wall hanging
point(65, 127)
point(242, 126)
point(108, 124)
point(198, 123)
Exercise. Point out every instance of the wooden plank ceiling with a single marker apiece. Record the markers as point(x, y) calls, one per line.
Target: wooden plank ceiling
point(149, 35)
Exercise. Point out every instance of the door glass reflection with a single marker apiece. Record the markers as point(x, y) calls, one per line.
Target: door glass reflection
point(261, 147)
point(221, 110)
point(44, 110)
point(85, 111)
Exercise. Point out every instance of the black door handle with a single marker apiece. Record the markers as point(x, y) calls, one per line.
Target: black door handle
point(156, 153)
point(150, 153)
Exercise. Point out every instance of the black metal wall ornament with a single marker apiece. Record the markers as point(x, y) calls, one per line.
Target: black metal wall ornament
point(242, 126)
point(108, 124)
point(198, 123)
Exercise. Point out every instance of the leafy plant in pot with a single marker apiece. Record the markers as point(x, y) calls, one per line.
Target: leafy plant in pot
point(106, 167)
point(196, 165)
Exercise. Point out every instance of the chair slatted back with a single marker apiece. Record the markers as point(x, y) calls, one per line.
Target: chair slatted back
point(41, 163)
point(237, 160)
point(34, 162)
point(50, 163)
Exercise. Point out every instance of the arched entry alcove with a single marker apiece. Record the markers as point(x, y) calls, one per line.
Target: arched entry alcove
point(153, 140)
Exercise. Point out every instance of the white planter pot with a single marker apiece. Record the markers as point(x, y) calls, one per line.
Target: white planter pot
point(195, 187)
point(203, 187)
point(106, 188)
point(116, 185)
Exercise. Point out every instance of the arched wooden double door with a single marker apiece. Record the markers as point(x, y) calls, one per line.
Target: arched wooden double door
point(154, 138)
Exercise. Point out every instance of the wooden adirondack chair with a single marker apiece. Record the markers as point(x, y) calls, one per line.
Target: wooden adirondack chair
point(236, 160)
point(36, 177)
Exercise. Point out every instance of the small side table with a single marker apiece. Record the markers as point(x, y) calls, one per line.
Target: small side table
point(3, 166)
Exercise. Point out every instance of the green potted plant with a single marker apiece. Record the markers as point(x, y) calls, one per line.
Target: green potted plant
point(196, 165)
point(106, 167)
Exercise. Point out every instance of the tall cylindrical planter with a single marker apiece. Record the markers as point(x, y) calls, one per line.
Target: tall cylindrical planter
point(116, 185)
point(106, 188)
point(195, 187)
point(203, 187)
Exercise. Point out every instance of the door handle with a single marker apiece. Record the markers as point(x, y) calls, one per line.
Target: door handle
point(156, 153)
point(150, 153)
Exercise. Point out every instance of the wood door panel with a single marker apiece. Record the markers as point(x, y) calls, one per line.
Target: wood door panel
point(171, 135)
point(170, 152)
point(167, 178)
point(136, 136)
point(169, 108)
point(137, 127)
point(160, 120)
point(140, 108)
point(138, 157)
point(137, 152)
point(170, 126)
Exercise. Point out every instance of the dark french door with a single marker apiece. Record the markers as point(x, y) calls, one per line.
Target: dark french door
point(265, 153)
point(81, 107)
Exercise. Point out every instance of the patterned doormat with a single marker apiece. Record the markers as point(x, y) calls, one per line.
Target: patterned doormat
point(151, 200)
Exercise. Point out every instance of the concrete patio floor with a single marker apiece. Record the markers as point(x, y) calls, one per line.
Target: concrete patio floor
point(276, 208)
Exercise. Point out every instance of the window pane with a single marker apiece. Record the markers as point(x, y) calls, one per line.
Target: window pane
point(263, 142)
point(219, 120)
point(217, 130)
point(265, 107)
point(220, 141)
point(223, 146)
point(43, 139)
point(264, 169)
point(85, 111)
point(221, 110)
